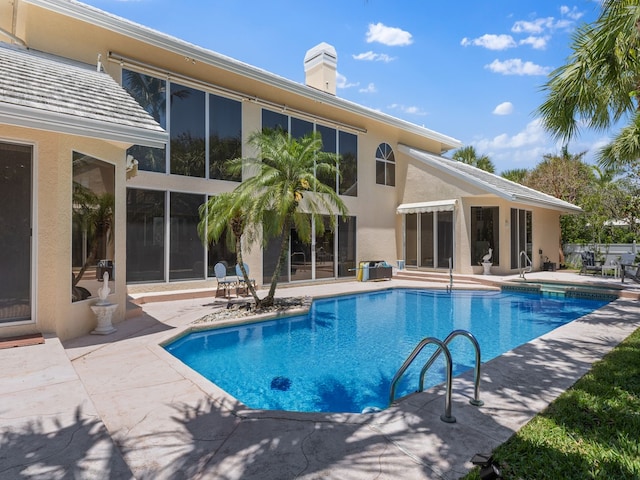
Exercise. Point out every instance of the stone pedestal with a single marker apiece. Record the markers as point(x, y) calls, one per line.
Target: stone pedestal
point(486, 267)
point(104, 313)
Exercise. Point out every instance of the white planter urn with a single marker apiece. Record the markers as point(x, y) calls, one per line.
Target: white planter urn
point(103, 310)
point(486, 267)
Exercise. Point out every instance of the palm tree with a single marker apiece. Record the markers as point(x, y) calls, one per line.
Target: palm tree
point(224, 214)
point(600, 83)
point(469, 156)
point(518, 175)
point(284, 192)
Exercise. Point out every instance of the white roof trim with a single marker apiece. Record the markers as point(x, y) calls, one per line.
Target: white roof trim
point(199, 54)
point(85, 127)
point(423, 207)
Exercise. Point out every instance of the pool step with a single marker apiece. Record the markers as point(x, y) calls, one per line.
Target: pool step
point(420, 275)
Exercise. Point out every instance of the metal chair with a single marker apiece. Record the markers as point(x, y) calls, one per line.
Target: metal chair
point(241, 283)
point(225, 283)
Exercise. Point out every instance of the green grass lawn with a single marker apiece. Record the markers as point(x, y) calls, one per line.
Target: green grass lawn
point(590, 431)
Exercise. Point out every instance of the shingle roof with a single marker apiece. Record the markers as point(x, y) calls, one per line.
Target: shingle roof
point(44, 91)
point(491, 183)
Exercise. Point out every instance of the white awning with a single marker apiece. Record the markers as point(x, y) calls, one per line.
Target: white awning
point(422, 207)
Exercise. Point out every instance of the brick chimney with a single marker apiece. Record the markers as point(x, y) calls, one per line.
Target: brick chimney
point(320, 65)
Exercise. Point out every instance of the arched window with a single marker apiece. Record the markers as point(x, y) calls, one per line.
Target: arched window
point(385, 165)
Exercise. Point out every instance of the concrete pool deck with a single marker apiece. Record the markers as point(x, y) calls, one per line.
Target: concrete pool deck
point(119, 406)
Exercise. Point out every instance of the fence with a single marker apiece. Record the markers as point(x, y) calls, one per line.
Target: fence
point(608, 252)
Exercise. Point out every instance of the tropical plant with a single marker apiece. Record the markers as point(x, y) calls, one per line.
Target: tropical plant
point(469, 156)
point(600, 83)
point(93, 215)
point(283, 193)
point(565, 176)
point(518, 175)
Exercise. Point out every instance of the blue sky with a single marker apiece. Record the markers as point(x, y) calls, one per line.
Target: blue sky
point(470, 69)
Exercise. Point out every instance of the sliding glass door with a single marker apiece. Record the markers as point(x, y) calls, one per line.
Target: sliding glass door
point(15, 233)
point(429, 239)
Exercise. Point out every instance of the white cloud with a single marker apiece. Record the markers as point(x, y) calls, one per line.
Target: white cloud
point(410, 110)
point(373, 57)
point(572, 13)
point(525, 149)
point(516, 66)
point(505, 108)
point(547, 24)
point(341, 81)
point(532, 134)
point(390, 36)
point(537, 26)
point(490, 41)
point(539, 43)
point(371, 88)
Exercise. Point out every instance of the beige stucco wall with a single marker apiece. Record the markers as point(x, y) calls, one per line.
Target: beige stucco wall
point(53, 311)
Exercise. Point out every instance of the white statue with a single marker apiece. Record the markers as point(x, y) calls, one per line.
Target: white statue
point(103, 292)
point(487, 257)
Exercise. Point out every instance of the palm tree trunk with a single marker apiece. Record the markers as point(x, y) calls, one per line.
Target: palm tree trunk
point(247, 281)
point(282, 260)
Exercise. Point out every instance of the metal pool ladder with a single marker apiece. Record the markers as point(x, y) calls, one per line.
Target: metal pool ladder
point(528, 265)
point(442, 348)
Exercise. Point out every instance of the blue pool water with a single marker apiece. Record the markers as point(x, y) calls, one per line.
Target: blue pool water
point(342, 356)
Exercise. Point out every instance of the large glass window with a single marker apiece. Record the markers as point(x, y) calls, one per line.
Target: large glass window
point(186, 252)
point(521, 238)
point(187, 131)
point(274, 121)
point(301, 261)
point(151, 94)
point(329, 145)
point(429, 239)
point(346, 246)
point(15, 233)
point(348, 164)
point(93, 205)
point(145, 235)
point(385, 165)
point(411, 239)
point(445, 239)
point(485, 234)
point(225, 136)
point(300, 128)
point(344, 144)
point(325, 252)
point(305, 263)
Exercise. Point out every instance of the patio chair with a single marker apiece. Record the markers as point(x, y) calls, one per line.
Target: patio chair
point(225, 282)
point(589, 264)
point(629, 268)
point(241, 283)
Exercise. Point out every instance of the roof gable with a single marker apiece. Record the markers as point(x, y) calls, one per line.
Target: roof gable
point(491, 183)
point(43, 91)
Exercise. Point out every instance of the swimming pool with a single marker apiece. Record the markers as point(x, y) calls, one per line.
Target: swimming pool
point(342, 355)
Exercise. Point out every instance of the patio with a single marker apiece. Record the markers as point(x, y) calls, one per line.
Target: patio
point(119, 406)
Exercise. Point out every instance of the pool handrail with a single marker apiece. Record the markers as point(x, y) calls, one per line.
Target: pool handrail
point(476, 381)
point(446, 417)
point(528, 264)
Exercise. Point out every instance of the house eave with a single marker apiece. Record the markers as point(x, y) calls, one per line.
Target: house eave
point(86, 127)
